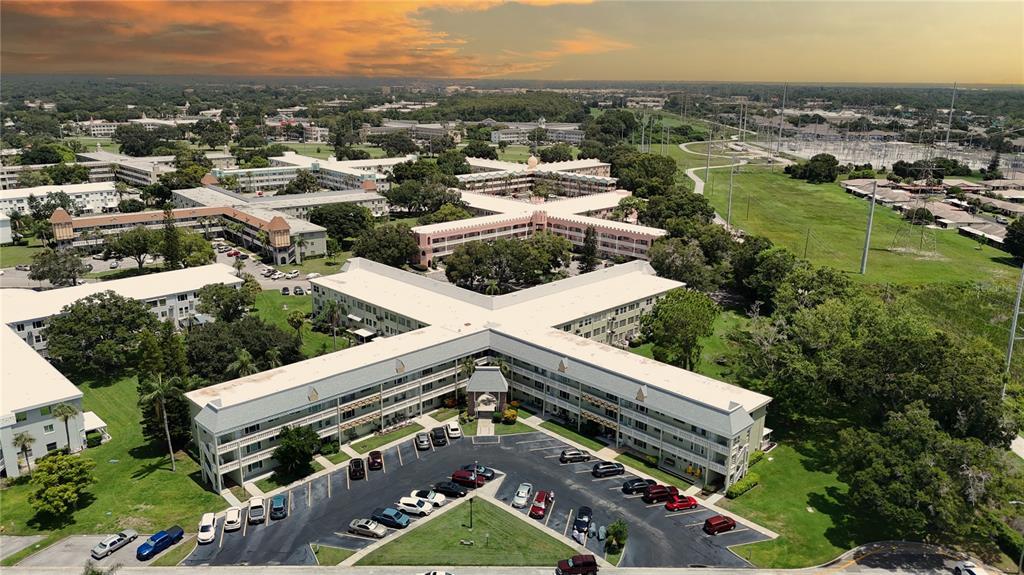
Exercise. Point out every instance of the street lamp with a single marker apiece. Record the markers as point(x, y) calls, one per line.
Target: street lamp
point(1020, 561)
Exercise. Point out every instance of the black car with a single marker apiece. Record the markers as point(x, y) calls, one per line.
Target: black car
point(607, 469)
point(583, 517)
point(438, 436)
point(450, 489)
point(284, 291)
point(487, 472)
point(637, 485)
point(356, 469)
point(375, 461)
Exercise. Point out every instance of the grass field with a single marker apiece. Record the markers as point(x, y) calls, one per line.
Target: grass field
point(444, 414)
point(322, 265)
point(274, 308)
point(500, 538)
point(12, 255)
point(572, 434)
point(499, 428)
point(330, 555)
point(176, 554)
point(325, 150)
point(106, 144)
point(369, 444)
point(715, 347)
point(784, 210)
point(339, 457)
point(135, 485)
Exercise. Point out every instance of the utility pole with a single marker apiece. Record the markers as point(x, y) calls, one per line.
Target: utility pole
point(728, 213)
point(867, 234)
point(711, 137)
point(807, 241)
point(949, 124)
point(782, 120)
point(1014, 336)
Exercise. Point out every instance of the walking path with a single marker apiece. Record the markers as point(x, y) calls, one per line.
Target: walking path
point(1017, 446)
point(484, 427)
point(230, 497)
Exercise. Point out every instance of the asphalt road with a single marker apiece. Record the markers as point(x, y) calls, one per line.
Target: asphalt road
point(322, 509)
point(74, 551)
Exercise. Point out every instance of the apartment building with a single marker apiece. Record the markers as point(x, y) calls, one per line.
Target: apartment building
point(99, 128)
point(331, 174)
point(316, 134)
point(567, 217)
point(91, 198)
point(295, 205)
point(416, 130)
point(570, 178)
point(98, 172)
point(554, 338)
point(552, 135)
point(30, 387)
point(6, 231)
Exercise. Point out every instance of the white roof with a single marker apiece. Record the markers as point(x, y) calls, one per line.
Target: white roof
point(24, 304)
point(70, 189)
point(27, 380)
point(92, 421)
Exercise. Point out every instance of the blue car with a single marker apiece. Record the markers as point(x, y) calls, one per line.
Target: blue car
point(158, 542)
point(391, 517)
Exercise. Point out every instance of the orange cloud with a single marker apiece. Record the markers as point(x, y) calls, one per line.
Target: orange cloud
point(226, 37)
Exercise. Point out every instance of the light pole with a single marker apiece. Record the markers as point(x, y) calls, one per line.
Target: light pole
point(1020, 561)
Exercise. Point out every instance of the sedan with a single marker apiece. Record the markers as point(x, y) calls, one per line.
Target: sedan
point(23, 267)
point(279, 506)
point(233, 519)
point(438, 436)
point(391, 517)
point(298, 291)
point(573, 456)
point(680, 502)
point(356, 469)
point(367, 528)
point(414, 506)
point(522, 496)
point(115, 264)
point(207, 529)
point(422, 441)
point(285, 291)
point(584, 515)
point(113, 543)
point(454, 432)
point(540, 505)
point(257, 512)
point(487, 472)
point(636, 485)
point(375, 461)
point(432, 497)
point(450, 489)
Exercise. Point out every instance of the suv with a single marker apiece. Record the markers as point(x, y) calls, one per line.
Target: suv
point(278, 507)
point(487, 472)
point(659, 493)
point(422, 441)
point(636, 485)
point(573, 456)
point(356, 469)
point(256, 510)
point(468, 478)
point(680, 502)
point(158, 542)
point(439, 436)
point(450, 489)
point(719, 524)
point(375, 461)
point(540, 505)
point(577, 565)
point(607, 469)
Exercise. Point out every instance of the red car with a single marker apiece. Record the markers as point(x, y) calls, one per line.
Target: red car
point(234, 253)
point(468, 478)
point(541, 502)
point(659, 493)
point(680, 502)
point(719, 524)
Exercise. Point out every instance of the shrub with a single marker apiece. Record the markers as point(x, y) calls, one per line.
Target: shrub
point(756, 457)
point(496, 417)
point(329, 448)
point(618, 533)
point(742, 486)
point(509, 416)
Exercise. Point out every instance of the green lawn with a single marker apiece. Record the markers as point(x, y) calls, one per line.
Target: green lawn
point(499, 536)
point(469, 429)
point(571, 433)
point(510, 428)
point(322, 265)
point(135, 487)
point(716, 346)
point(274, 308)
point(106, 144)
point(176, 554)
point(801, 499)
point(651, 469)
point(784, 209)
point(371, 443)
point(277, 480)
point(339, 457)
point(12, 255)
point(444, 414)
point(325, 150)
point(330, 555)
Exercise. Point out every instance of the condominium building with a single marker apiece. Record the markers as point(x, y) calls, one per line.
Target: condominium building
point(416, 130)
point(30, 387)
point(331, 174)
point(569, 178)
point(91, 198)
point(98, 172)
point(554, 340)
point(295, 205)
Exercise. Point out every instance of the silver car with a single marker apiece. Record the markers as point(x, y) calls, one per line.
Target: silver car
point(113, 543)
point(523, 494)
point(367, 528)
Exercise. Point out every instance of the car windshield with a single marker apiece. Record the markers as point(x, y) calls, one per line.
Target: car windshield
point(205, 528)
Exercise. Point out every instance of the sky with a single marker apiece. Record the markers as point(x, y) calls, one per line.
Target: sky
point(971, 42)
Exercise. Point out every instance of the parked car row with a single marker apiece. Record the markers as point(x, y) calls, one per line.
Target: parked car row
point(419, 502)
point(150, 548)
point(652, 492)
point(438, 437)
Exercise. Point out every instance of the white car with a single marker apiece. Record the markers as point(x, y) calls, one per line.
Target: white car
point(414, 506)
point(207, 528)
point(312, 275)
point(257, 511)
point(233, 519)
point(292, 274)
point(968, 568)
point(277, 276)
point(454, 432)
point(523, 494)
point(430, 496)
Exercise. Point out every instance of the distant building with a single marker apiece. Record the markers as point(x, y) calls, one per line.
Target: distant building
point(92, 198)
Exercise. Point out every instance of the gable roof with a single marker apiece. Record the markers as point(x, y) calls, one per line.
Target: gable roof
point(487, 379)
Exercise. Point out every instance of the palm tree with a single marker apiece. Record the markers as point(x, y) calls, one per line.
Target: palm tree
point(23, 441)
point(300, 242)
point(243, 364)
point(467, 368)
point(239, 265)
point(156, 392)
point(264, 239)
point(65, 412)
point(297, 319)
point(333, 312)
point(273, 358)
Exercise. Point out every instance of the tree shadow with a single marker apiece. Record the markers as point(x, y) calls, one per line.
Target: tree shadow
point(48, 522)
point(148, 469)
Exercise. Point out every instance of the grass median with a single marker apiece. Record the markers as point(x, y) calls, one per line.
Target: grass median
point(368, 445)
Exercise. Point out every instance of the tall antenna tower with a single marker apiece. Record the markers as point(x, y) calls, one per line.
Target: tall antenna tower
point(949, 123)
point(782, 121)
point(1016, 333)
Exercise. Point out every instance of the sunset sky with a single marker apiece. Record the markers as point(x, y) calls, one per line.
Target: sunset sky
point(852, 41)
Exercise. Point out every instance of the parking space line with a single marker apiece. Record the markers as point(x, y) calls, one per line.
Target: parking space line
point(223, 532)
point(614, 488)
point(583, 470)
point(534, 441)
point(383, 465)
point(694, 524)
point(245, 522)
point(634, 496)
point(678, 513)
point(655, 505)
point(740, 530)
point(551, 456)
point(348, 481)
point(415, 449)
point(544, 448)
point(604, 478)
point(309, 495)
point(291, 501)
point(399, 449)
point(328, 485)
point(355, 536)
point(568, 521)
point(551, 511)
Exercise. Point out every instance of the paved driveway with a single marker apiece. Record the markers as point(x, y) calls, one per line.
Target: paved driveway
point(322, 509)
point(74, 551)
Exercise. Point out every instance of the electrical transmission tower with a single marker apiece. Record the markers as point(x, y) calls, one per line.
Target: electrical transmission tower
point(1016, 329)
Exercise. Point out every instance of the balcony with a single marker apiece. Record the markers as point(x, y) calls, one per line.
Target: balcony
point(604, 403)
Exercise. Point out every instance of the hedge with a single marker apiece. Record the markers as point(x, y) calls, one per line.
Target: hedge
point(742, 486)
point(756, 457)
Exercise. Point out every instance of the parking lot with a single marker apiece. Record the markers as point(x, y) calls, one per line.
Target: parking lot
point(321, 510)
point(73, 552)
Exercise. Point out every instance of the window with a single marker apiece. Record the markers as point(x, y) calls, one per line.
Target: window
point(254, 466)
point(182, 297)
point(44, 410)
point(48, 428)
point(52, 446)
point(21, 327)
point(37, 324)
point(19, 417)
point(251, 429)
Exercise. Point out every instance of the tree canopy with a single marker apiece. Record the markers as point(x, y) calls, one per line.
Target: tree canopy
point(342, 220)
point(390, 244)
point(677, 324)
